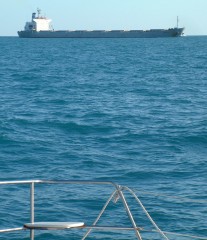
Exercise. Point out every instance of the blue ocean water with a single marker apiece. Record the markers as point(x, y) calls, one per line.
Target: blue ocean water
point(132, 111)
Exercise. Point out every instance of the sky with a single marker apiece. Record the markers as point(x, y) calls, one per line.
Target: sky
point(106, 14)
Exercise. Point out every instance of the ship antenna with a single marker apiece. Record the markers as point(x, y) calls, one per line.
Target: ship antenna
point(177, 21)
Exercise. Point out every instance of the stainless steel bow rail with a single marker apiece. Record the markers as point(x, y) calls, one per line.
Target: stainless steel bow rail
point(118, 193)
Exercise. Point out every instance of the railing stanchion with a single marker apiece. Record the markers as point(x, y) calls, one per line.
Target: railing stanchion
point(129, 213)
point(100, 214)
point(32, 209)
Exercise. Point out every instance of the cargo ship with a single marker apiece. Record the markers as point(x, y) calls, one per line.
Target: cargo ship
point(40, 27)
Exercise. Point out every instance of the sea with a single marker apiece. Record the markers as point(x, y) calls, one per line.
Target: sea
point(129, 111)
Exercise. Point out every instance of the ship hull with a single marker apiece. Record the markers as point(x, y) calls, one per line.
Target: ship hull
point(153, 33)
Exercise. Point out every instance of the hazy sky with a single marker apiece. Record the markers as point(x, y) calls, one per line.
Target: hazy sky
point(106, 14)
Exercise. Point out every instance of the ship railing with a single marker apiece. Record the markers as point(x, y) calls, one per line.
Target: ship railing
point(118, 193)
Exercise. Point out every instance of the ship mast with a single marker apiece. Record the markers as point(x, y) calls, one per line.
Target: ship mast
point(39, 12)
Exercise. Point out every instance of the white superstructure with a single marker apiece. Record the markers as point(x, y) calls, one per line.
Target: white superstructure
point(38, 23)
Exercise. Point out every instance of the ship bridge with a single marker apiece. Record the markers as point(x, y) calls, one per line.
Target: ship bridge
point(38, 23)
